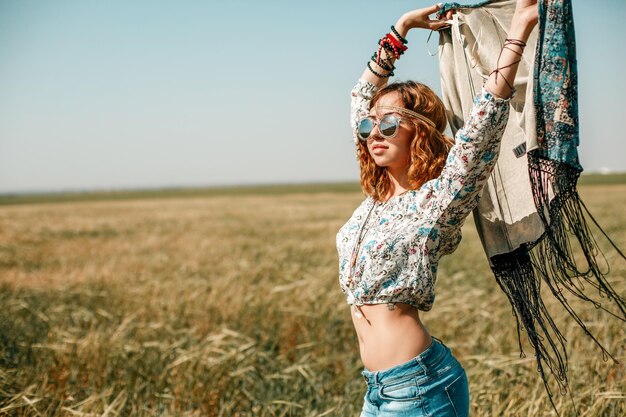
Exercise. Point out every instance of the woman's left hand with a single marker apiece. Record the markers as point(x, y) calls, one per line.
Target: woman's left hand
point(527, 11)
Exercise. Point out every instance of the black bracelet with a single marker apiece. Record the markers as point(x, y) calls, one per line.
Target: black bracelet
point(400, 38)
point(388, 66)
point(376, 73)
point(516, 42)
point(389, 47)
point(392, 50)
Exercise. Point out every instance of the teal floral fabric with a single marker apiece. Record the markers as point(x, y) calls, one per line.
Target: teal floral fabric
point(445, 7)
point(556, 84)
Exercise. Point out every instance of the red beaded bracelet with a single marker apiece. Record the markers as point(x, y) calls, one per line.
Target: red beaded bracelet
point(390, 47)
point(396, 42)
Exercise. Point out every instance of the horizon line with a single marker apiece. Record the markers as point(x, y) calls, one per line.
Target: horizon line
point(172, 187)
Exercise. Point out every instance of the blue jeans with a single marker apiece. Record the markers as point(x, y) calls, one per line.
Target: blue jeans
point(432, 384)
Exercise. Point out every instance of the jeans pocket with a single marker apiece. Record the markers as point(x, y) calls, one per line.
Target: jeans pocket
point(405, 389)
point(458, 395)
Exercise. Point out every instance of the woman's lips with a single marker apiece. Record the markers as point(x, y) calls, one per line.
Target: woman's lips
point(378, 148)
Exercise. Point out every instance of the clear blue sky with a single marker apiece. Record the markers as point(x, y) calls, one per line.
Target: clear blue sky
point(121, 94)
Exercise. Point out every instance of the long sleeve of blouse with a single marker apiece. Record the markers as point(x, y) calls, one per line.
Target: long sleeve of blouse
point(398, 258)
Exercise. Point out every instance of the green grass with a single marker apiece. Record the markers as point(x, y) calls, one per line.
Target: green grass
point(602, 179)
point(177, 192)
point(229, 305)
point(195, 192)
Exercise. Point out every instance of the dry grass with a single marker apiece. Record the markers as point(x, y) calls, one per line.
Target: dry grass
point(230, 306)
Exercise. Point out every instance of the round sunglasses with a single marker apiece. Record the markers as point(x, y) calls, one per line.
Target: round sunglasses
point(388, 126)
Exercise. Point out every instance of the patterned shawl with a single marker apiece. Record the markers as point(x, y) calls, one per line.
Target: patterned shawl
point(530, 216)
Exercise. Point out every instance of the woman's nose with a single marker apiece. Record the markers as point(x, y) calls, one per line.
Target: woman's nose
point(375, 132)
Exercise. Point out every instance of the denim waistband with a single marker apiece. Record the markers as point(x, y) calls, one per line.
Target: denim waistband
point(419, 364)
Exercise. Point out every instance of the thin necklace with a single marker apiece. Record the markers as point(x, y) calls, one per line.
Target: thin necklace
point(359, 240)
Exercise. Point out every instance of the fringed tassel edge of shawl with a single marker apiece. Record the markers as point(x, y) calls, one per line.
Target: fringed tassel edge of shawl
point(551, 259)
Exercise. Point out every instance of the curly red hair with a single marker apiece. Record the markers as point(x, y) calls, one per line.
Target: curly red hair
point(429, 148)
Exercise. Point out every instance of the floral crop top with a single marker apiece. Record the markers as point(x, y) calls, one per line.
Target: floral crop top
point(403, 238)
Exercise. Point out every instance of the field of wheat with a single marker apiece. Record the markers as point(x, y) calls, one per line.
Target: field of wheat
point(229, 305)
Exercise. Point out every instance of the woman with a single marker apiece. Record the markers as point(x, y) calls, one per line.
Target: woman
point(421, 186)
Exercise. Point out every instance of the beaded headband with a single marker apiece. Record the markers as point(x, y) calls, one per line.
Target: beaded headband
point(410, 113)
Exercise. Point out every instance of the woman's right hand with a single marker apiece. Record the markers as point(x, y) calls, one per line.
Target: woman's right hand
point(420, 19)
point(413, 19)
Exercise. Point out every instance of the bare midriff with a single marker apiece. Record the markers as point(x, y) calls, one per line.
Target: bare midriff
point(389, 337)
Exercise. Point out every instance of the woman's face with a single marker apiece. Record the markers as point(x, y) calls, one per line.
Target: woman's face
point(393, 152)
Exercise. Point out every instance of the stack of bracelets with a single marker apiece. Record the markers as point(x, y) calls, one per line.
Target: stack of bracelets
point(394, 46)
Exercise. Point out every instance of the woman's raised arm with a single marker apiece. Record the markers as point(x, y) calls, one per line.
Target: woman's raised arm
point(524, 20)
point(477, 144)
point(380, 68)
point(413, 19)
